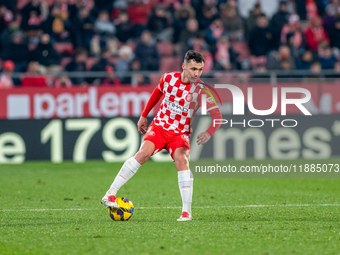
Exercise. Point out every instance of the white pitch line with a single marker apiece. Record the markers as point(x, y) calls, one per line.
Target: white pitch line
point(242, 206)
point(42, 210)
point(176, 207)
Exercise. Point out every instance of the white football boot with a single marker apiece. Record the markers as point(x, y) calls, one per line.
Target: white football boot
point(110, 201)
point(185, 217)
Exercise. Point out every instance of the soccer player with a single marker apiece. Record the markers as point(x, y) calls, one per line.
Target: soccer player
point(170, 129)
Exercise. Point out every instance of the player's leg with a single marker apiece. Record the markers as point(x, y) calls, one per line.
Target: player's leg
point(185, 181)
point(128, 170)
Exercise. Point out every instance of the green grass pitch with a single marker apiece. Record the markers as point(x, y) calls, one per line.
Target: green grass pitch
point(55, 209)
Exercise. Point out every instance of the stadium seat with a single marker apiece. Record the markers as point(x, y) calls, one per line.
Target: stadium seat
point(22, 3)
point(113, 60)
point(241, 48)
point(255, 61)
point(225, 75)
point(154, 3)
point(49, 2)
point(32, 46)
point(90, 62)
point(154, 78)
point(139, 13)
point(170, 64)
point(130, 44)
point(165, 49)
point(65, 61)
point(62, 47)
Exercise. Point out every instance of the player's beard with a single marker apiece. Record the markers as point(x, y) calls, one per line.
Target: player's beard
point(192, 79)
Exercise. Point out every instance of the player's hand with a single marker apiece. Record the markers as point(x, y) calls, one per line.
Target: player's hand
point(142, 125)
point(203, 138)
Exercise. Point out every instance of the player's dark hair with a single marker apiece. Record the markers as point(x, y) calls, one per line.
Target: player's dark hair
point(193, 55)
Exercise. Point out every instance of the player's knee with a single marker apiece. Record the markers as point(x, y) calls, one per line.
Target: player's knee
point(143, 156)
point(181, 161)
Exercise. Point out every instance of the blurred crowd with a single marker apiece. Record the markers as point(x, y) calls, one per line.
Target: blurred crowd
point(46, 38)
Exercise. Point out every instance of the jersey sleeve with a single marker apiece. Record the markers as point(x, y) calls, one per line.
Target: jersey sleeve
point(161, 83)
point(154, 98)
point(216, 115)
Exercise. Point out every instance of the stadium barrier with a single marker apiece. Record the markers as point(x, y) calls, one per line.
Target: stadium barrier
point(95, 122)
point(116, 139)
point(75, 102)
point(96, 101)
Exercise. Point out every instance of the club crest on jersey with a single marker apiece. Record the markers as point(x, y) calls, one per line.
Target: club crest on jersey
point(189, 97)
point(152, 133)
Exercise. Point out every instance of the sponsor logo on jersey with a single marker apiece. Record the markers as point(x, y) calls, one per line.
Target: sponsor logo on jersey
point(174, 106)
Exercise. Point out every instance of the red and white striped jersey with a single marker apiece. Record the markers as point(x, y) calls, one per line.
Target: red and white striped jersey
point(180, 103)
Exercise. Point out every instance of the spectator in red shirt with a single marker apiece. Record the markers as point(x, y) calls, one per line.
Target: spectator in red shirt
point(315, 34)
point(33, 77)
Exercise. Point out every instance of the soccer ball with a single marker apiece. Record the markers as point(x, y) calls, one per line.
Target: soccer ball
point(125, 211)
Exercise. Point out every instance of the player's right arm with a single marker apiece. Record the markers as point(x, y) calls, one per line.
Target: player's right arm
point(154, 98)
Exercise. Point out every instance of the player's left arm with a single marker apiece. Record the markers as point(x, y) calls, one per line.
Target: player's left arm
point(215, 113)
point(204, 137)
